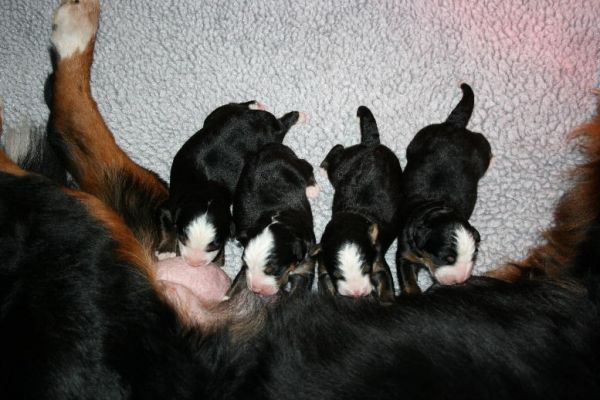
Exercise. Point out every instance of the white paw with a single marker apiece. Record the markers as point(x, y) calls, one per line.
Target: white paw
point(74, 25)
point(323, 172)
point(257, 106)
point(492, 162)
point(302, 118)
point(313, 191)
point(164, 256)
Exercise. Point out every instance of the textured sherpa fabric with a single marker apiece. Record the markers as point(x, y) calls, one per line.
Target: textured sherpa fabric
point(162, 66)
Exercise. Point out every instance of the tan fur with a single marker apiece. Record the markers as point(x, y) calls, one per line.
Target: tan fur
point(96, 161)
point(575, 211)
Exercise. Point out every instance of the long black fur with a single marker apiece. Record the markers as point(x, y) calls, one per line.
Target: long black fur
point(78, 322)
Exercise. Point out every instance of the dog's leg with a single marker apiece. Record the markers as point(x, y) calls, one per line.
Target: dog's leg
point(326, 286)
point(287, 121)
point(87, 146)
point(407, 278)
point(301, 279)
point(383, 282)
point(238, 285)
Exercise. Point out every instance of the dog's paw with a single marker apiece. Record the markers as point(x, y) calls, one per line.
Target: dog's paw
point(257, 106)
point(313, 191)
point(302, 118)
point(74, 26)
point(323, 172)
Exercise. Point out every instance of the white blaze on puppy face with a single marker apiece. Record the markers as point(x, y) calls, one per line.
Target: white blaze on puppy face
point(461, 270)
point(256, 258)
point(74, 26)
point(200, 233)
point(350, 262)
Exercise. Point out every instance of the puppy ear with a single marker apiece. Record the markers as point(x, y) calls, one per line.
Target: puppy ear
point(373, 233)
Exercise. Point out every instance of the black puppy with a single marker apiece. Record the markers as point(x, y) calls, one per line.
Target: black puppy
point(439, 187)
point(366, 179)
point(206, 170)
point(274, 221)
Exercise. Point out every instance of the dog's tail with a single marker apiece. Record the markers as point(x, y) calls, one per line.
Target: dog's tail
point(459, 117)
point(369, 133)
point(572, 244)
point(27, 145)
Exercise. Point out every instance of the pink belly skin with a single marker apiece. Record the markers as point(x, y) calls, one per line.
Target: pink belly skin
point(192, 290)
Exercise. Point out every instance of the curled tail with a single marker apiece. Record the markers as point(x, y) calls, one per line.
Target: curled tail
point(369, 134)
point(459, 117)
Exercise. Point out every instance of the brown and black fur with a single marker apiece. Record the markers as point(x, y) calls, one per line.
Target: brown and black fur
point(80, 318)
point(574, 216)
point(88, 149)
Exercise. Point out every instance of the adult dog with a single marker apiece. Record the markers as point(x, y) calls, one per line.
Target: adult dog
point(81, 317)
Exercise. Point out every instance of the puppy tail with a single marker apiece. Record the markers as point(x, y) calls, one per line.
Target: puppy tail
point(369, 133)
point(28, 146)
point(459, 117)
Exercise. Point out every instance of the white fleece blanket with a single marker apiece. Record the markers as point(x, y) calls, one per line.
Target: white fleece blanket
point(162, 66)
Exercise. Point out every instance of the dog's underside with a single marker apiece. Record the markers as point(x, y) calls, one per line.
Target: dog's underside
point(81, 317)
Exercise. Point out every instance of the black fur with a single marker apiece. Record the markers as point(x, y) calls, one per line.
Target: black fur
point(439, 190)
point(206, 169)
point(272, 192)
point(78, 322)
point(366, 178)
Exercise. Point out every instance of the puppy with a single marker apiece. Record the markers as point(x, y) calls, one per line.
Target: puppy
point(274, 221)
point(206, 170)
point(366, 179)
point(439, 187)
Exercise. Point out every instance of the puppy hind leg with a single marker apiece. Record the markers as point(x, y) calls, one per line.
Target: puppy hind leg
point(287, 121)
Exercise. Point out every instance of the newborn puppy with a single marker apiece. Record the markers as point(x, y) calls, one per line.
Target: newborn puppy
point(439, 187)
point(205, 172)
point(274, 222)
point(366, 179)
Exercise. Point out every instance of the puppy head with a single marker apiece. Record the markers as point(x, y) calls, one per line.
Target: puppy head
point(272, 255)
point(202, 227)
point(447, 245)
point(348, 253)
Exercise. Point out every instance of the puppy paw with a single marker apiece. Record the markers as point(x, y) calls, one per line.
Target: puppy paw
point(257, 106)
point(313, 191)
point(302, 118)
point(492, 162)
point(323, 172)
point(74, 26)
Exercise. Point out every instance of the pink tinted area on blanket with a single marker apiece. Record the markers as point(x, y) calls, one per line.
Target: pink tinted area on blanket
point(192, 290)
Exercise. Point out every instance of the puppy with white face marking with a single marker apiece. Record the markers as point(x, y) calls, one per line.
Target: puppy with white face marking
point(366, 178)
point(439, 187)
point(274, 222)
point(205, 173)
